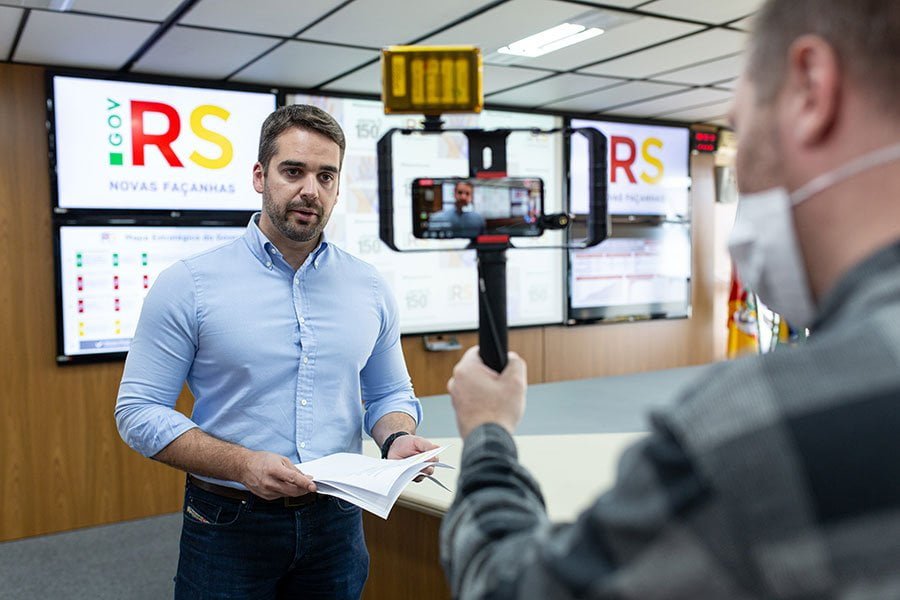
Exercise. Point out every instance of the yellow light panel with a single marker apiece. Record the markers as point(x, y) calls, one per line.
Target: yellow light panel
point(431, 80)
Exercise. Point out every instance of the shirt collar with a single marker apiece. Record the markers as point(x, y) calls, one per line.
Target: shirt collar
point(262, 248)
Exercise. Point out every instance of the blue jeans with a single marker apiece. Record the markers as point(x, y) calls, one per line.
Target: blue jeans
point(235, 549)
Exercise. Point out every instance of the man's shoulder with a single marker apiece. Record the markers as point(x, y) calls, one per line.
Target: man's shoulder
point(751, 396)
point(353, 264)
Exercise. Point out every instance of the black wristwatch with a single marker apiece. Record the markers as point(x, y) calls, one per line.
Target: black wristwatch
point(386, 446)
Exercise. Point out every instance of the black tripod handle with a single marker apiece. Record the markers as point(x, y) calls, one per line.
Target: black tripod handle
point(492, 328)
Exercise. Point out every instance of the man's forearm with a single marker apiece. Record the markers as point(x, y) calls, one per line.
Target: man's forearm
point(391, 423)
point(197, 452)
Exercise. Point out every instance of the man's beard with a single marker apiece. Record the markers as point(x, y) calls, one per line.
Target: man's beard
point(294, 231)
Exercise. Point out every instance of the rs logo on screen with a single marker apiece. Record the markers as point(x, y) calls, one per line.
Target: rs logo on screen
point(141, 139)
point(623, 154)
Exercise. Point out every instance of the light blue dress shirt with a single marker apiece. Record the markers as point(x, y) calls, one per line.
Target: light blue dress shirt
point(295, 363)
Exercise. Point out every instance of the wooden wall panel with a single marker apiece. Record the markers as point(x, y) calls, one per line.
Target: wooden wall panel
point(405, 558)
point(62, 464)
point(431, 370)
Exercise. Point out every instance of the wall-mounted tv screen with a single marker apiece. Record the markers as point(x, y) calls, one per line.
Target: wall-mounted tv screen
point(125, 145)
point(647, 165)
point(103, 275)
point(639, 272)
point(437, 292)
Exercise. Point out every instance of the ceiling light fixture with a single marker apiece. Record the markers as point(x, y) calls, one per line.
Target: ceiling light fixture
point(551, 40)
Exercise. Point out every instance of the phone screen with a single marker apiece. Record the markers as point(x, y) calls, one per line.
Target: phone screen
point(447, 208)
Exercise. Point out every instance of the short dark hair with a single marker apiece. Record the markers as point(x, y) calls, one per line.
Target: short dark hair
point(864, 33)
point(301, 116)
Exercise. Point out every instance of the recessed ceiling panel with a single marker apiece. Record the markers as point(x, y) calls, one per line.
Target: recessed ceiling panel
point(548, 90)
point(706, 73)
point(615, 96)
point(304, 64)
point(193, 52)
point(702, 113)
point(158, 10)
point(9, 24)
point(618, 40)
point(707, 11)
point(80, 41)
point(680, 101)
point(507, 23)
point(498, 78)
point(277, 17)
point(378, 23)
point(700, 47)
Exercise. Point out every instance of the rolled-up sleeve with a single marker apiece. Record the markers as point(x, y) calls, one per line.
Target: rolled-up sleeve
point(384, 380)
point(158, 362)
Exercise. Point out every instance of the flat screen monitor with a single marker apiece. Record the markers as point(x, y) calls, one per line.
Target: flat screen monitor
point(437, 292)
point(120, 145)
point(640, 272)
point(104, 273)
point(647, 165)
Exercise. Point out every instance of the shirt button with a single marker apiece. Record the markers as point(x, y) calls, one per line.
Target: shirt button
point(302, 320)
point(303, 444)
point(273, 250)
point(268, 264)
point(305, 360)
point(303, 402)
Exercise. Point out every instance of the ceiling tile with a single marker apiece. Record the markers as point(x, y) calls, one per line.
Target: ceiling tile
point(706, 73)
point(680, 101)
point(696, 48)
point(378, 23)
point(363, 81)
point(702, 113)
point(158, 10)
point(497, 78)
point(9, 24)
point(745, 24)
point(707, 11)
point(193, 52)
point(304, 64)
point(276, 17)
point(615, 96)
point(549, 90)
point(731, 84)
point(71, 40)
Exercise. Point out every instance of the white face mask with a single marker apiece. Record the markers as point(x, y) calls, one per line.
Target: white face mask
point(763, 242)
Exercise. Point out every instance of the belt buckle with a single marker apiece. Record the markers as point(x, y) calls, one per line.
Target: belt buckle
point(295, 501)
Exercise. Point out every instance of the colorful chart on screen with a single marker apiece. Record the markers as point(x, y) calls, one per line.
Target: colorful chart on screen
point(106, 271)
point(122, 145)
point(437, 291)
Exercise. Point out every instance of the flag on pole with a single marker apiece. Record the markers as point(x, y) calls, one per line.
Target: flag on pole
point(743, 327)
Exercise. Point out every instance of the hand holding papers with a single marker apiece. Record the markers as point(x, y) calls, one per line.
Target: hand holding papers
point(370, 483)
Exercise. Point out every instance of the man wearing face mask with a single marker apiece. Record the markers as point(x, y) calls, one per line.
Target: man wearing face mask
point(777, 476)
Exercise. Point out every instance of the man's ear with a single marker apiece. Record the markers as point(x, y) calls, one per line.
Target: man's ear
point(812, 91)
point(259, 175)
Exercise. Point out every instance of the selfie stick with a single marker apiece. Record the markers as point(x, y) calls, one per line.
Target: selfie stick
point(493, 338)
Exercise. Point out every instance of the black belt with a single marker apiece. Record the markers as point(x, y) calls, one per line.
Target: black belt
point(245, 496)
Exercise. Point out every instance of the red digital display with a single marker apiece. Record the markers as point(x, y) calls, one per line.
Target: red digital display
point(704, 141)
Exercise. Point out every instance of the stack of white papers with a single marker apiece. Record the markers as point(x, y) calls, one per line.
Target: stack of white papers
point(373, 484)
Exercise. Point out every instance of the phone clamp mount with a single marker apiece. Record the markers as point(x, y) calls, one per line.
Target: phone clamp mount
point(491, 249)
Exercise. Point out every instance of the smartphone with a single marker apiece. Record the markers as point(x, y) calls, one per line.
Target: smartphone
point(458, 207)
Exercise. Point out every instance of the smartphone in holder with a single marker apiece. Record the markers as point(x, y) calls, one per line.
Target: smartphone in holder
point(459, 207)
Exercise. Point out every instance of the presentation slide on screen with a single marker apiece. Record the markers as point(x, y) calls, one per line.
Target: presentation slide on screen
point(648, 169)
point(105, 273)
point(436, 291)
point(630, 271)
point(126, 146)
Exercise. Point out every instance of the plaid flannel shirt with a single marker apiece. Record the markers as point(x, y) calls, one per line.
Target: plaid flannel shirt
point(778, 476)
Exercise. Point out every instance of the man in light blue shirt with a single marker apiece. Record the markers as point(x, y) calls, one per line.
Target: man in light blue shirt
point(459, 220)
point(290, 346)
